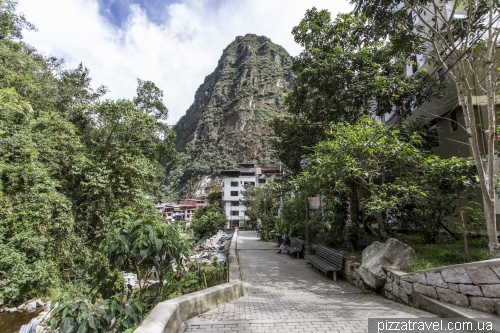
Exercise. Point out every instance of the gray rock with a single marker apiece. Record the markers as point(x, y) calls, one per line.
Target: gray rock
point(420, 278)
point(425, 290)
point(435, 279)
point(400, 293)
point(454, 287)
point(456, 275)
point(12, 310)
point(408, 278)
point(483, 303)
point(496, 270)
point(448, 296)
point(482, 275)
point(407, 287)
point(388, 286)
point(491, 290)
point(397, 274)
point(468, 289)
point(31, 306)
point(390, 296)
point(39, 303)
point(379, 256)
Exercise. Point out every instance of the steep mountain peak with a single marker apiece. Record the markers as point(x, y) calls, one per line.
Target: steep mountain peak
point(228, 121)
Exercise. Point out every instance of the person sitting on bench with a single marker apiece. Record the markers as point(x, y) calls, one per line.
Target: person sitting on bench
point(286, 241)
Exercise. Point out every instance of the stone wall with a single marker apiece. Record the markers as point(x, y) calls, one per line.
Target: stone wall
point(473, 285)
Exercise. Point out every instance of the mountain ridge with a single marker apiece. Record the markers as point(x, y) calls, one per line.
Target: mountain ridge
point(228, 120)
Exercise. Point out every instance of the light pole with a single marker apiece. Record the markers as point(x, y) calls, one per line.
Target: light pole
point(308, 233)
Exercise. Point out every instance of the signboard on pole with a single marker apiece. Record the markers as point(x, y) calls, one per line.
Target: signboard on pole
point(316, 202)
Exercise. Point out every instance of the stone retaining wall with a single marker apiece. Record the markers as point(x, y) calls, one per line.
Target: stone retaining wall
point(473, 285)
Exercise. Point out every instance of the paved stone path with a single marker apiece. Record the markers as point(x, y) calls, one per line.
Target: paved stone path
point(283, 294)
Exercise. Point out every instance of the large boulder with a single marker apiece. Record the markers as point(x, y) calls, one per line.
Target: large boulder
point(380, 257)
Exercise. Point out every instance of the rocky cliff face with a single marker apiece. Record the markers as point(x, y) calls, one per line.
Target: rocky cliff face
point(227, 122)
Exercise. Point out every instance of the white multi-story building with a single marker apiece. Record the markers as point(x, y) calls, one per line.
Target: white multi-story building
point(233, 186)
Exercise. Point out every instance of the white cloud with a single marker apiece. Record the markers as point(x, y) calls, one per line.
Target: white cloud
point(176, 55)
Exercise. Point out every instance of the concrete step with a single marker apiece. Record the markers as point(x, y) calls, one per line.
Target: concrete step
point(445, 310)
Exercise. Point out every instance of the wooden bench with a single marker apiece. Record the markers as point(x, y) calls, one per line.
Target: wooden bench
point(326, 260)
point(295, 246)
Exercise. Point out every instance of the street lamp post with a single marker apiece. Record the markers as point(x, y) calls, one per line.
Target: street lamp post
point(308, 233)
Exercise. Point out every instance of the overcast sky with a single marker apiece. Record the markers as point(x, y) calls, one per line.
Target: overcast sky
point(172, 43)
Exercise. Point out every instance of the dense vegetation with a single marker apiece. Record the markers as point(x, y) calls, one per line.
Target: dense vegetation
point(363, 171)
point(209, 219)
point(70, 159)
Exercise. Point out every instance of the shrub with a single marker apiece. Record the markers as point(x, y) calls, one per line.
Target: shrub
point(208, 224)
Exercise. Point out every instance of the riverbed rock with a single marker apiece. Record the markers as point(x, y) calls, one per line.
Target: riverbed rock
point(12, 310)
point(378, 257)
point(31, 306)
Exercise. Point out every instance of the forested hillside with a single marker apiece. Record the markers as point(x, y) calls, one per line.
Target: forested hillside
point(228, 121)
point(69, 160)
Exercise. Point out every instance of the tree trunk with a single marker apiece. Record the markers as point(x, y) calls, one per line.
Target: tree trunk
point(464, 228)
point(485, 170)
point(381, 226)
point(490, 94)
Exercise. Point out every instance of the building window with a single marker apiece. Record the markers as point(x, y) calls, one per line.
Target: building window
point(441, 75)
point(249, 183)
point(410, 22)
point(453, 121)
point(235, 213)
point(433, 140)
point(234, 193)
point(414, 64)
point(235, 203)
point(262, 181)
point(234, 184)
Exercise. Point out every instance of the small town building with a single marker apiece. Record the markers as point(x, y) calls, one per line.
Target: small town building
point(182, 210)
point(233, 186)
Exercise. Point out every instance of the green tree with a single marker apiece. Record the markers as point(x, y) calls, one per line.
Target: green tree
point(208, 224)
point(37, 244)
point(12, 23)
point(263, 203)
point(345, 71)
point(135, 243)
point(388, 170)
point(462, 37)
point(68, 162)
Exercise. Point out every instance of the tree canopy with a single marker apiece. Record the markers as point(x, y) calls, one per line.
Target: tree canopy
point(69, 160)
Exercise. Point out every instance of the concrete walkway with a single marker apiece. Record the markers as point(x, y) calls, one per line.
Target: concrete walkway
point(283, 294)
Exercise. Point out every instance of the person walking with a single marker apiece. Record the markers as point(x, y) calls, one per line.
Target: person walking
point(286, 241)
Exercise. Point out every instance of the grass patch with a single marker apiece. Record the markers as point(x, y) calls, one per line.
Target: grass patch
point(447, 252)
